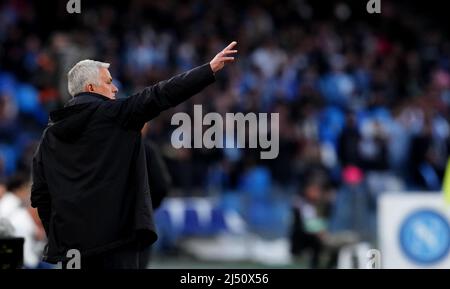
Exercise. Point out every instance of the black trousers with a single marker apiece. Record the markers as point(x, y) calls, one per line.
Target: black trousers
point(129, 256)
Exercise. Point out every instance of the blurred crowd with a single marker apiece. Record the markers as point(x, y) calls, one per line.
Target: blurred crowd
point(363, 103)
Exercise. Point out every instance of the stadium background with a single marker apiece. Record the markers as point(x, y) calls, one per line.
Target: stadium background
point(363, 102)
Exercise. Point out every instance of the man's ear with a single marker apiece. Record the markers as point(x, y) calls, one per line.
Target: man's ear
point(90, 88)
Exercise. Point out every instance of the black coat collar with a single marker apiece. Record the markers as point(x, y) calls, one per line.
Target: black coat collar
point(85, 97)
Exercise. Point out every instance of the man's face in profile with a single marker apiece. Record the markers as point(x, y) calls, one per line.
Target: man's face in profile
point(106, 86)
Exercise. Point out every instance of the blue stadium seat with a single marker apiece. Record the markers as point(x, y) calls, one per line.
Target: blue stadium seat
point(192, 224)
point(27, 98)
point(9, 158)
point(7, 83)
point(217, 223)
point(331, 122)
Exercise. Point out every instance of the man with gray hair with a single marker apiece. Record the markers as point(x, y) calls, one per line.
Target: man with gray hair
point(87, 73)
point(90, 182)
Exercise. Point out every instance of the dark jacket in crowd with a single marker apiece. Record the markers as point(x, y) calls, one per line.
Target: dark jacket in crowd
point(90, 179)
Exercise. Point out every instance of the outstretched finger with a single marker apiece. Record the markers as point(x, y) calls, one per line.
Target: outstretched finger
point(226, 59)
point(229, 51)
point(231, 45)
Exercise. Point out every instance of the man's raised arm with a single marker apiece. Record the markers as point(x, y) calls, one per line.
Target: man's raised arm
point(150, 102)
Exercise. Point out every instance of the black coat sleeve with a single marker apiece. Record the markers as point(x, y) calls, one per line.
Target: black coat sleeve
point(141, 107)
point(40, 196)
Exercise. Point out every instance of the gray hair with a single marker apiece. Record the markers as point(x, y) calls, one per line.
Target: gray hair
point(83, 73)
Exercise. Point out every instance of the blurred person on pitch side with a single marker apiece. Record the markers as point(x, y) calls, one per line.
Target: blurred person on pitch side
point(15, 210)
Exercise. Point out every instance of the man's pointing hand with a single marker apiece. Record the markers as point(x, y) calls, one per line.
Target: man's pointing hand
point(224, 56)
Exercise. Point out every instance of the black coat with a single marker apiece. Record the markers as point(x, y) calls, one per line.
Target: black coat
point(159, 178)
point(89, 173)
